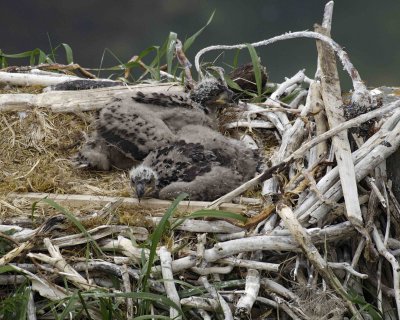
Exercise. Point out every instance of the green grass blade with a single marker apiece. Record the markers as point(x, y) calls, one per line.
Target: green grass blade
point(68, 53)
point(21, 310)
point(32, 58)
point(85, 308)
point(70, 306)
point(236, 59)
point(146, 296)
point(217, 214)
point(43, 57)
point(161, 53)
point(189, 41)
point(232, 84)
point(71, 218)
point(157, 234)
point(257, 68)
point(171, 50)
point(290, 97)
point(25, 54)
point(6, 268)
point(156, 71)
point(52, 50)
point(3, 60)
point(210, 214)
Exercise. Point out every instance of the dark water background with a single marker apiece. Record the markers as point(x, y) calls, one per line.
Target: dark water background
point(369, 30)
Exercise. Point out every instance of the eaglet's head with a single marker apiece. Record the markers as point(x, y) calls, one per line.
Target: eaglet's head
point(211, 92)
point(143, 181)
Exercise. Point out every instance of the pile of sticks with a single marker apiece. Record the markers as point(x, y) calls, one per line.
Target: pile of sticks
point(322, 241)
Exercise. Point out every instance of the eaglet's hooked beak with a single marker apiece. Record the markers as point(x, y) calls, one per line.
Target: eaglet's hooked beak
point(224, 97)
point(140, 190)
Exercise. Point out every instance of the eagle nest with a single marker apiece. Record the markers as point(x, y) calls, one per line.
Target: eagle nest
point(311, 232)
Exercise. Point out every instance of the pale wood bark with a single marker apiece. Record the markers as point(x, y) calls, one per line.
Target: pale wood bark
point(332, 97)
point(76, 101)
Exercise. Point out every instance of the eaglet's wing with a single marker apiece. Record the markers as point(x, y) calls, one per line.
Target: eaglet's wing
point(133, 129)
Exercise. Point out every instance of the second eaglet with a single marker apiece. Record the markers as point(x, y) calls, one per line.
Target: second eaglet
point(202, 163)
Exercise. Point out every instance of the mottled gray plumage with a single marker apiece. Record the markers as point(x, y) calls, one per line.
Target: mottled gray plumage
point(135, 126)
point(202, 163)
point(96, 153)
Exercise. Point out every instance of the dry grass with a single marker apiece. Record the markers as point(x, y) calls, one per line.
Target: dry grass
point(36, 148)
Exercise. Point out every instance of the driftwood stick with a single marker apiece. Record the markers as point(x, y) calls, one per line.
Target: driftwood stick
point(170, 289)
point(394, 263)
point(355, 259)
point(126, 247)
point(270, 116)
point(256, 124)
point(222, 250)
point(331, 94)
point(278, 243)
point(30, 308)
point(212, 270)
point(258, 265)
point(204, 314)
point(27, 79)
point(45, 288)
point(126, 283)
point(361, 95)
point(279, 289)
point(214, 293)
point(58, 261)
point(315, 100)
point(82, 100)
point(200, 226)
point(348, 267)
point(77, 200)
point(308, 248)
point(279, 306)
point(296, 79)
point(209, 304)
point(245, 303)
point(327, 19)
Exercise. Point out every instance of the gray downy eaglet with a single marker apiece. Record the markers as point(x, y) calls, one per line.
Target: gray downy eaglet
point(127, 130)
point(203, 163)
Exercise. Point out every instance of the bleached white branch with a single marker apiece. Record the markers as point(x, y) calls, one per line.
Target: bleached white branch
point(346, 266)
point(125, 245)
point(193, 225)
point(394, 263)
point(328, 13)
point(209, 304)
point(170, 289)
point(27, 79)
point(214, 293)
point(288, 83)
point(296, 101)
point(361, 95)
point(31, 307)
point(253, 124)
point(245, 303)
point(57, 260)
point(250, 264)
